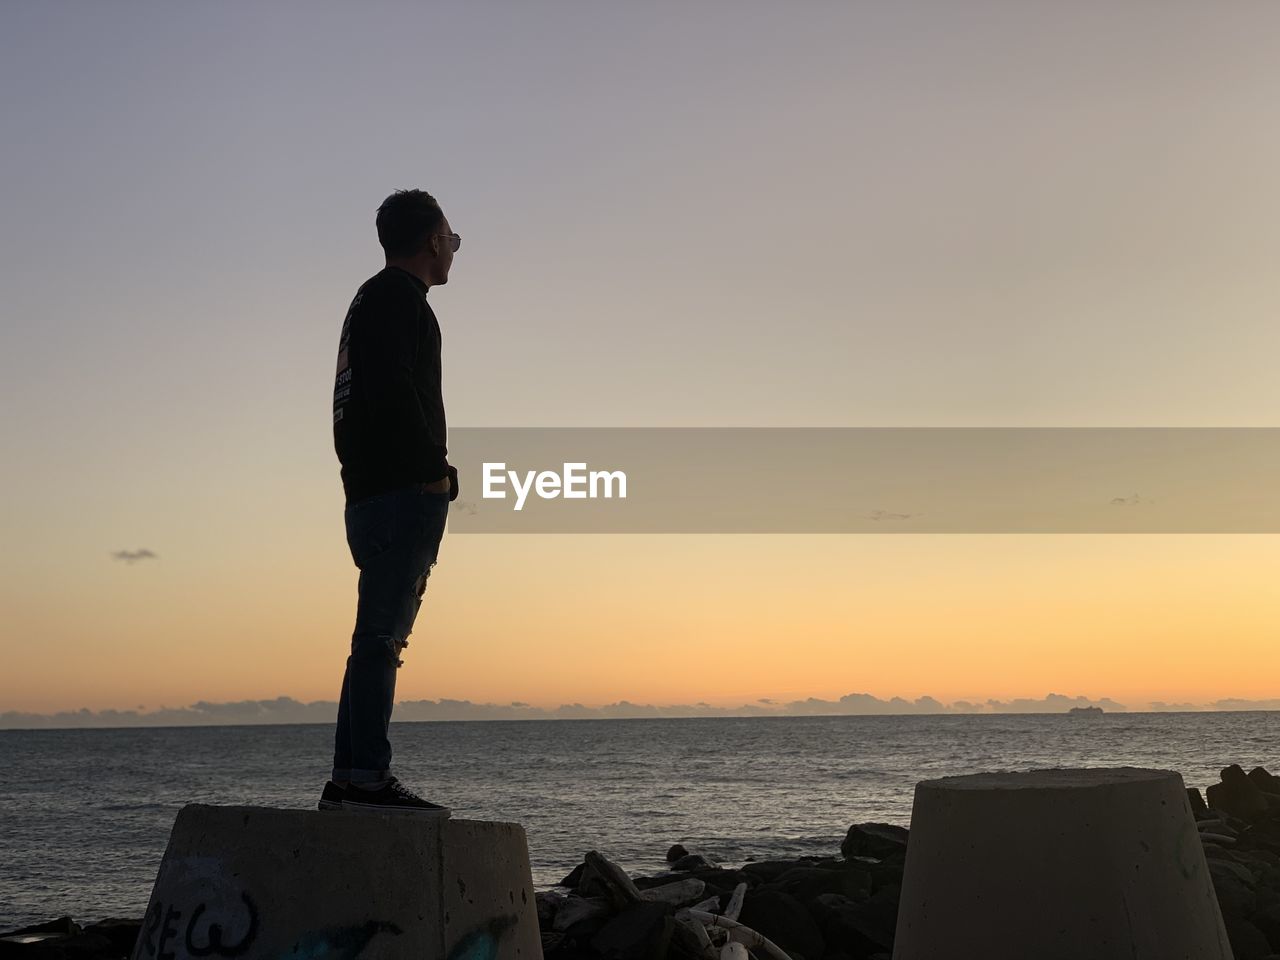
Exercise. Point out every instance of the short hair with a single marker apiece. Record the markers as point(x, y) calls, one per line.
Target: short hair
point(406, 220)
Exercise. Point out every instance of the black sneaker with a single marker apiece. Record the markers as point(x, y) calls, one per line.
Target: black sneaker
point(330, 797)
point(393, 797)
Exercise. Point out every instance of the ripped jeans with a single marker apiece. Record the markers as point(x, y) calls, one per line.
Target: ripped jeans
point(394, 539)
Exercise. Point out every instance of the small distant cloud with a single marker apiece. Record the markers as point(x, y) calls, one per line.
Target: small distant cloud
point(129, 556)
point(1129, 501)
point(887, 515)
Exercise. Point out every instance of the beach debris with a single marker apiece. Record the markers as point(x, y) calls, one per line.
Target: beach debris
point(710, 905)
point(742, 934)
point(680, 893)
point(735, 902)
point(700, 934)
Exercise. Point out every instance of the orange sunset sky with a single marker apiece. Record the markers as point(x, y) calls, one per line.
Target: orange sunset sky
point(919, 214)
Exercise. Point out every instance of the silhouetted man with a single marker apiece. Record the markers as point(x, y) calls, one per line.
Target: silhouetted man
point(389, 434)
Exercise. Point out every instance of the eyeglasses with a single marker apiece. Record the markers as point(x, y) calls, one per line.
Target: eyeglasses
point(455, 241)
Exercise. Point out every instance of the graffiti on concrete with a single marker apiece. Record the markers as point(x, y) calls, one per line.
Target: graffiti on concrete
point(199, 913)
point(339, 943)
point(160, 932)
point(482, 941)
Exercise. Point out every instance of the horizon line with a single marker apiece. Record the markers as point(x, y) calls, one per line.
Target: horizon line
point(284, 711)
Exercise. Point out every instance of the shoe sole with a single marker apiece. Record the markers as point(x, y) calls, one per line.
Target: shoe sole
point(398, 811)
point(329, 805)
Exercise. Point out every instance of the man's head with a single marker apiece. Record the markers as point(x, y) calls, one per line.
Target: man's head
point(415, 235)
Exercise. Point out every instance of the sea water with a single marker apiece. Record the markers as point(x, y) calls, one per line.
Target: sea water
point(85, 814)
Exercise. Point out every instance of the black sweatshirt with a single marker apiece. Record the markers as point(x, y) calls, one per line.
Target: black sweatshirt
point(388, 407)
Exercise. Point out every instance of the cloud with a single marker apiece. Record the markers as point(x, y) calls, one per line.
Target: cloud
point(1053, 703)
point(288, 710)
point(129, 556)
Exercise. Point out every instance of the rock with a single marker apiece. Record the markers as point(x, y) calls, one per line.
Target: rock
point(1198, 808)
point(574, 876)
point(76, 946)
point(693, 861)
point(765, 870)
point(577, 935)
point(551, 942)
point(722, 880)
point(123, 934)
point(61, 927)
point(1215, 825)
point(1237, 795)
point(1236, 898)
point(1247, 941)
point(860, 928)
point(1267, 919)
point(884, 873)
point(641, 931)
point(1264, 781)
point(879, 840)
point(806, 883)
point(1269, 877)
point(1261, 836)
point(676, 852)
point(784, 920)
point(1229, 864)
point(575, 909)
point(548, 902)
point(1221, 839)
point(824, 906)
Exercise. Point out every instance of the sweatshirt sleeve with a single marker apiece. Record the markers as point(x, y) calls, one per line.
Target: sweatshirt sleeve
point(389, 351)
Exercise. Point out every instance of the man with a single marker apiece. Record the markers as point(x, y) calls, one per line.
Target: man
point(389, 434)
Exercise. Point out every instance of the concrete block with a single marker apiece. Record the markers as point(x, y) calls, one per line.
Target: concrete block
point(265, 884)
point(1057, 864)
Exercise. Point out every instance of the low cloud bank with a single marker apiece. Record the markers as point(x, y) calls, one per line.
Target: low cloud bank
point(288, 710)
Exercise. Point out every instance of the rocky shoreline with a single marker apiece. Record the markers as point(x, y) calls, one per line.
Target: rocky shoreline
point(837, 907)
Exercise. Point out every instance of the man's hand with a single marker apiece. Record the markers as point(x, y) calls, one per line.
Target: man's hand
point(437, 486)
point(453, 483)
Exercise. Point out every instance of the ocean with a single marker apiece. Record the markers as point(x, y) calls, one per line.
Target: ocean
point(85, 814)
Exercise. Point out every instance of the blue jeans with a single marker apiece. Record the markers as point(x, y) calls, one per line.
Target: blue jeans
point(394, 539)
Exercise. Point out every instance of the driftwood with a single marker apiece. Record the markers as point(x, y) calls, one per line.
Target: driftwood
point(735, 902)
point(682, 891)
point(741, 934)
point(699, 933)
point(710, 905)
point(622, 890)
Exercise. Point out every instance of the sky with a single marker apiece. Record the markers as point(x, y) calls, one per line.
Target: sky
point(722, 214)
